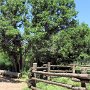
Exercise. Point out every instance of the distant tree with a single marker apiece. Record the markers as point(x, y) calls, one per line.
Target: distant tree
point(80, 41)
point(72, 45)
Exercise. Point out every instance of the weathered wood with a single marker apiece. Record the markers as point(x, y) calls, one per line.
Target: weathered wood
point(38, 68)
point(79, 76)
point(34, 69)
point(76, 80)
point(45, 65)
point(83, 78)
point(85, 66)
point(48, 70)
point(60, 66)
point(60, 84)
point(10, 74)
point(41, 67)
point(48, 66)
point(61, 71)
point(83, 71)
point(73, 68)
point(78, 88)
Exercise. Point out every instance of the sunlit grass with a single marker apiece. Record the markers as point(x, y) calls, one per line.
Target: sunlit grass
point(44, 86)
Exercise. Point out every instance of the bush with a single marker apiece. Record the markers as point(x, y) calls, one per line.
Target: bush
point(5, 63)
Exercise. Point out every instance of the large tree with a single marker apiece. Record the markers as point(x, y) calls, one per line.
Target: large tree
point(53, 15)
point(12, 17)
point(48, 18)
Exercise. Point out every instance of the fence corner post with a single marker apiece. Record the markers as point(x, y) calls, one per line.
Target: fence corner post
point(34, 74)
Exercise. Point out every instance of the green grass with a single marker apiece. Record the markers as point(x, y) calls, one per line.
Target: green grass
point(24, 75)
point(44, 86)
point(88, 86)
point(26, 88)
point(66, 81)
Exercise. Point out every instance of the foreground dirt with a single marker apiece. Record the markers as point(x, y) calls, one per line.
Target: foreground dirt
point(7, 83)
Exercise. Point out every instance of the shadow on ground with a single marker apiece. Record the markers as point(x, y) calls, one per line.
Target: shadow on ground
point(8, 79)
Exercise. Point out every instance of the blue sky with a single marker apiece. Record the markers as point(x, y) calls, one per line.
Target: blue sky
point(83, 7)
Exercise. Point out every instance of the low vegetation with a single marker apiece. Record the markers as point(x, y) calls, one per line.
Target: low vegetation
point(64, 80)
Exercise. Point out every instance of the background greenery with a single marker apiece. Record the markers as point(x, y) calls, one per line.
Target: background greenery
point(41, 31)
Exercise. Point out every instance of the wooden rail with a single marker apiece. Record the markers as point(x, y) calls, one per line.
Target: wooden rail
point(69, 68)
point(60, 84)
point(61, 71)
point(83, 78)
point(79, 76)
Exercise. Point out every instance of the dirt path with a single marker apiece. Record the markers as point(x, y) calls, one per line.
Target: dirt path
point(11, 84)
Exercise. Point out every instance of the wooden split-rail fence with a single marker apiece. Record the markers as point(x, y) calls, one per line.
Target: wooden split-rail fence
point(70, 72)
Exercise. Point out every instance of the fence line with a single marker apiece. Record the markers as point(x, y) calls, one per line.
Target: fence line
point(83, 78)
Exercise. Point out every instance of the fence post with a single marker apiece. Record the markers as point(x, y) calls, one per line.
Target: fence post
point(83, 71)
point(73, 68)
point(48, 65)
point(34, 74)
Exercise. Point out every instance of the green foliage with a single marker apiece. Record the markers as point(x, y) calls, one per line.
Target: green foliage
point(26, 88)
point(51, 32)
point(72, 44)
point(5, 63)
point(48, 18)
point(12, 17)
point(44, 86)
point(62, 43)
point(65, 80)
point(53, 15)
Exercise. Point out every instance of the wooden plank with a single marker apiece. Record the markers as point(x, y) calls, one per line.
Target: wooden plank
point(38, 68)
point(60, 66)
point(48, 70)
point(84, 65)
point(34, 81)
point(42, 67)
point(78, 88)
point(76, 80)
point(79, 76)
point(61, 71)
point(73, 68)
